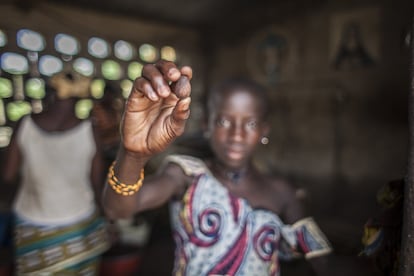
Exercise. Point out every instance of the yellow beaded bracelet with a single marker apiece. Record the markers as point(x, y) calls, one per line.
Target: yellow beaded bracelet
point(122, 188)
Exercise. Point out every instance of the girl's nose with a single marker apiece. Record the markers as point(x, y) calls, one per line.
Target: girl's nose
point(237, 132)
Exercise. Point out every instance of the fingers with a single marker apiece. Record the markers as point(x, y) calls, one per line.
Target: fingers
point(182, 109)
point(142, 87)
point(182, 87)
point(156, 79)
point(179, 115)
point(187, 71)
point(168, 69)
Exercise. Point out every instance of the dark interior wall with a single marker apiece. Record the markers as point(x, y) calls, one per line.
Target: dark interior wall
point(338, 132)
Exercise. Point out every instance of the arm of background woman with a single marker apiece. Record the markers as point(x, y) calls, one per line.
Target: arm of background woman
point(11, 159)
point(10, 170)
point(98, 170)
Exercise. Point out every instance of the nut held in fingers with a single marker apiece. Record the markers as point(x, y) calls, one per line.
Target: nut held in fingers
point(182, 88)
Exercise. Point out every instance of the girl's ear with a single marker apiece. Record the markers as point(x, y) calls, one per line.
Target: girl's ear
point(266, 129)
point(265, 134)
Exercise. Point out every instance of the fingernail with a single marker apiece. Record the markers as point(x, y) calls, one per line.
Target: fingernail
point(186, 103)
point(173, 73)
point(164, 91)
point(153, 96)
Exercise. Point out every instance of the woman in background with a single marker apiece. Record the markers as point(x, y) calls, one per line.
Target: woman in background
point(57, 158)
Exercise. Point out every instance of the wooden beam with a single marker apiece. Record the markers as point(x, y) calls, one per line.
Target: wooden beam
point(407, 246)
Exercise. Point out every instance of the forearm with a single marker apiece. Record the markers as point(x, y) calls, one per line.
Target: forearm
point(97, 176)
point(320, 265)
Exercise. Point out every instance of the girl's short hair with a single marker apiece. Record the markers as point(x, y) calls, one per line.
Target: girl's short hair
point(229, 85)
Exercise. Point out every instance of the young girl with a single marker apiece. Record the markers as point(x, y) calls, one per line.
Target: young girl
point(227, 217)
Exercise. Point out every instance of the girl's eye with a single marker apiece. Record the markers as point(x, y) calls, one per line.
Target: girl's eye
point(251, 124)
point(223, 122)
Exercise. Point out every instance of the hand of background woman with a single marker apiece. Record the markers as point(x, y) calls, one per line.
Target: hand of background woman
point(157, 108)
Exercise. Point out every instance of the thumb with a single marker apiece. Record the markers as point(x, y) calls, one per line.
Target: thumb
point(179, 115)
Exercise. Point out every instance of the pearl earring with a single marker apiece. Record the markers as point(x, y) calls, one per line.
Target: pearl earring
point(264, 140)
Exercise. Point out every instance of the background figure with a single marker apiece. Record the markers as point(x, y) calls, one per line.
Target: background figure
point(228, 218)
point(106, 115)
point(352, 53)
point(382, 233)
point(57, 157)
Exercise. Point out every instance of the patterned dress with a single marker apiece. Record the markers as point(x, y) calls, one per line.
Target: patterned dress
point(217, 233)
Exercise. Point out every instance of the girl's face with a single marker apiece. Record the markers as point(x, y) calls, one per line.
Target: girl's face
point(235, 126)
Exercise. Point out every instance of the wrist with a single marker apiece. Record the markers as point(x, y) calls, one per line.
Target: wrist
point(125, 189)
point(128, 166)
point(126, 156)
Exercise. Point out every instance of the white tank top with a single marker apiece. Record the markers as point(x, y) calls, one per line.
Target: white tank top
point(55, 185)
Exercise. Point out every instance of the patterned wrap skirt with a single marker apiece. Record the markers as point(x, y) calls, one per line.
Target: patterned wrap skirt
point(60, 250)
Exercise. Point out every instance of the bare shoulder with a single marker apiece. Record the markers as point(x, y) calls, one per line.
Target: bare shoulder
point(16, 130)
point(175, 175)
point(173, 170)
point(281, 186)
point(288, 195)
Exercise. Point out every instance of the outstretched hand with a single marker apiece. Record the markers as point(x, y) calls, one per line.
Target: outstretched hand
point(157, 108)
